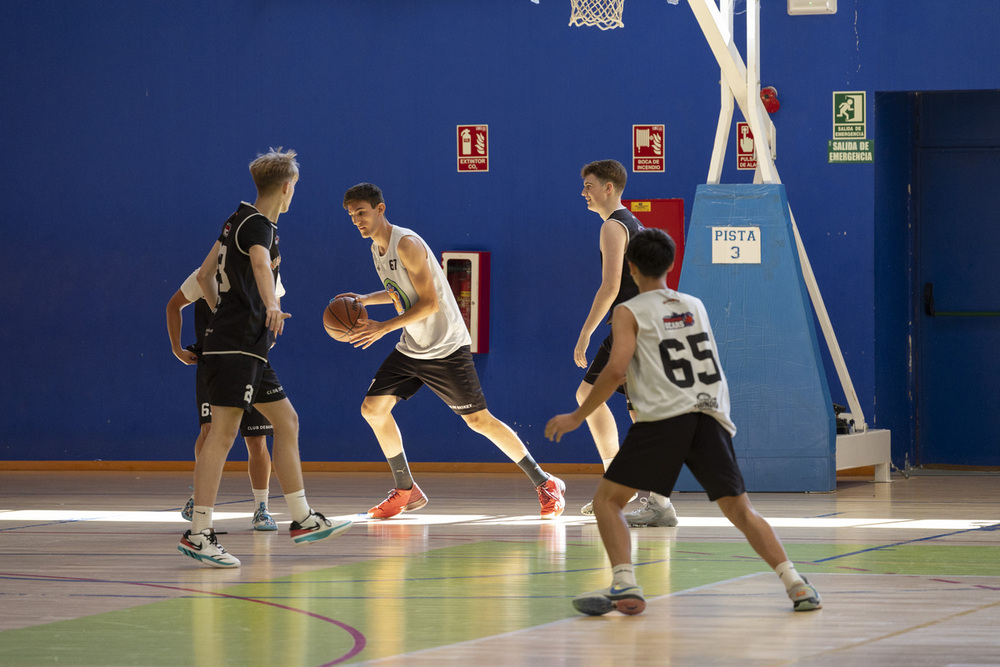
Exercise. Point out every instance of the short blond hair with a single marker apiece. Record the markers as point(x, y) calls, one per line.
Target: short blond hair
point(273, 169)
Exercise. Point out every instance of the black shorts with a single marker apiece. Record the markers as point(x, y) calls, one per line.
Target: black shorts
point(598, 364)
point(453, 379)
point(254, 423)
point(239, 381)
point(653, 453)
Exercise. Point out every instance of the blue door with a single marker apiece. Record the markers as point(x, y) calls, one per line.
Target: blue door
point(957, 200)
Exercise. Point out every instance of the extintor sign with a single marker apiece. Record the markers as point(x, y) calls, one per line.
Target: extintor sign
point(473, 148)
point(647, 148)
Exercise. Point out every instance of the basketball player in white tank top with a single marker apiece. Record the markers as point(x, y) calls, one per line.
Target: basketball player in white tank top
point(663, 344)
point(433, 350)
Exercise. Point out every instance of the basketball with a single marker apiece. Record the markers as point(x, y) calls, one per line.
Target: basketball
point(341, 315)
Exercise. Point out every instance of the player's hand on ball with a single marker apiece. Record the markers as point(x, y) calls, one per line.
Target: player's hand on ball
point(366, 332)
point(560, 425)
point(350, 295)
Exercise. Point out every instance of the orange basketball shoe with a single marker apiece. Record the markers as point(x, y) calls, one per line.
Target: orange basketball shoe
point(399, 500)
point(550, 497)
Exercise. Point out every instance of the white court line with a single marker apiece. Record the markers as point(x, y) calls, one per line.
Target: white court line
point(424, 519)
point(533, 628)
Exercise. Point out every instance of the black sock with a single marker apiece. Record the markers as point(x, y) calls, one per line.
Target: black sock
point(401, 471)
point(531, 469)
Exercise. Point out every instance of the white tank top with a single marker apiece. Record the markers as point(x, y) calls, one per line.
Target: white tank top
point(675, 368)
point(434, 337)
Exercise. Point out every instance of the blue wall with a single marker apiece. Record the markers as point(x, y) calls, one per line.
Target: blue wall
point(128, 127)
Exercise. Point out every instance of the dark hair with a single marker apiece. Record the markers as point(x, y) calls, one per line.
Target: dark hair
point(607, 171)
point(366, 192)
point(652, 251)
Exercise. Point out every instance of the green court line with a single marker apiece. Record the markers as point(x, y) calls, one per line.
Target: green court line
point(410, 603)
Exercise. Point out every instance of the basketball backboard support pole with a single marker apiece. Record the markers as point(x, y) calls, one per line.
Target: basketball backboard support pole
point(740, 85)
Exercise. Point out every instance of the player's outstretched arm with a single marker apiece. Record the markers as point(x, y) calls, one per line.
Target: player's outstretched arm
point(370, 299)
point(623, 329)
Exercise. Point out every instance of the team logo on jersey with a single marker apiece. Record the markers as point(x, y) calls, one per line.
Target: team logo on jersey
point(399, 299)
point(678, 320)
point(706, 402)
point(226, 229)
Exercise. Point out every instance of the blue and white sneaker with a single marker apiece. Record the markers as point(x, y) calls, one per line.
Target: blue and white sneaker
point(262, 519)
point(317, 527)
point(205, 549)
point(188, 512)
point(626, 599)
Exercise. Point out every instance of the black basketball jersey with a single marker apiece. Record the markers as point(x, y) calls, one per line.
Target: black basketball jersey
point(627, 288)
point(238, 324)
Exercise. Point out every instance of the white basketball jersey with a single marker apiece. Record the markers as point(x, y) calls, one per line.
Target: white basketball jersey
point(675, 368)
point(434, 337)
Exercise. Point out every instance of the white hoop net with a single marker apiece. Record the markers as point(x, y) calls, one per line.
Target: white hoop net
point(605, 14)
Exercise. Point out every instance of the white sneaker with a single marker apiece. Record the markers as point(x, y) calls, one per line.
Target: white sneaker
point(317, 527)
point(205, 549)
point(588, 509)
point(804, 596)
point(652, 514)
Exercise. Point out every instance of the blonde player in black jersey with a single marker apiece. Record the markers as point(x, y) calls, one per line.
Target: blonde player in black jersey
point(603, 186)
point(664, 349)
point(433, 350)
point(239, 276)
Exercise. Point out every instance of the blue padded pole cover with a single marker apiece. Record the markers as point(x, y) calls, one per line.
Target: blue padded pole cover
point(763, 322)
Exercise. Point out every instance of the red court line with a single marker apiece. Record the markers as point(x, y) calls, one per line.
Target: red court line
point(357, 635)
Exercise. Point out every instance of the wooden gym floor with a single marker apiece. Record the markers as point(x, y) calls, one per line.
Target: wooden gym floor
point(89, 575)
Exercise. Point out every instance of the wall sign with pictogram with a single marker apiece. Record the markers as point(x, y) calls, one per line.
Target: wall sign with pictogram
point(647, 148)
point(473, 147)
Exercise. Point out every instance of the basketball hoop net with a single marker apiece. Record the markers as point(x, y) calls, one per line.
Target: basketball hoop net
point(605, 14)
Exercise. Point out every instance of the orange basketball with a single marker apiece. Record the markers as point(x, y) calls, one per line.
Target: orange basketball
point(341, 316)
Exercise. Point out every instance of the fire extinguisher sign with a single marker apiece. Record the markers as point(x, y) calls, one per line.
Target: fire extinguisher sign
point(647, 148)
point(473, 147)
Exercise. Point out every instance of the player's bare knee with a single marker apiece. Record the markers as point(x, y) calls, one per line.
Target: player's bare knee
point(479, 421)
point(373, 411)
point(738, 510)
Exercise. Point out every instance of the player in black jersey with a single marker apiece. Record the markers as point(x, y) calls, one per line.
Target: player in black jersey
point(603, 185)
point(254, 428)
point(239, 275)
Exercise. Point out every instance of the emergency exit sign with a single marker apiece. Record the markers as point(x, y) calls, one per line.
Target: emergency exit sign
point(849, 120)
point(846, 151)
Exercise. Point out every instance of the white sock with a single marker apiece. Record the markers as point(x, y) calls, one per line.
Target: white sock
point(786, 572)
point(623, 575)
point(201, 519)
point(298, 506)
point(607, 462)
point(661, 500)
point(260, 496)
